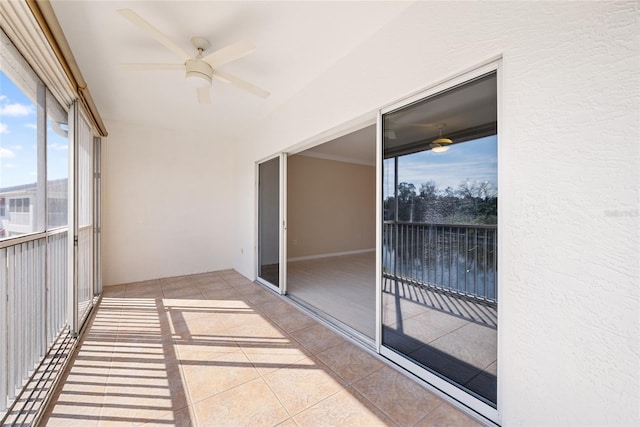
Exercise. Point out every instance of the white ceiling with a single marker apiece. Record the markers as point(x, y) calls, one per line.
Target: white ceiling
point(295, 43)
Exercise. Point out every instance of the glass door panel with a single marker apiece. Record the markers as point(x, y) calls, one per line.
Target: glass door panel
point(439, 236)
point(269, 212)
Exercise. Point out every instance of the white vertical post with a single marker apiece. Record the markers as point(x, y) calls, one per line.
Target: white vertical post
point(72, 206)
point(97, 215)
point(283, 223)
point(379, 219)
point(39, 211)
point(4, 324)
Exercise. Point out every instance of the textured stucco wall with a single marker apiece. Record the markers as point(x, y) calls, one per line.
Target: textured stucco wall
point(568, 178)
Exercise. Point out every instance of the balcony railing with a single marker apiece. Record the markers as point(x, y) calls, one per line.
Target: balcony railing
point(454, 258)
point(33, 306)
point(20, 218)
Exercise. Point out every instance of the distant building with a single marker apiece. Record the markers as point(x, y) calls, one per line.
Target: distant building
point(19, 208)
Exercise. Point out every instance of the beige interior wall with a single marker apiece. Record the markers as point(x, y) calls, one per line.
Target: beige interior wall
point(331, 207)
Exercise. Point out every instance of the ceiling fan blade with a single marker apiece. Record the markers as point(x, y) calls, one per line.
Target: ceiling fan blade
point(229, 53)
point(204, 95)
point(136, 20)
point(146, 66)
point(228, 78)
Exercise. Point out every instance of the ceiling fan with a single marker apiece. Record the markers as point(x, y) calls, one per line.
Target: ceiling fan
point(199, 69)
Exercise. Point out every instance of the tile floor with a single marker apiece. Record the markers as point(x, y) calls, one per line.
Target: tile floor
point(454, 336)
point(215, 349)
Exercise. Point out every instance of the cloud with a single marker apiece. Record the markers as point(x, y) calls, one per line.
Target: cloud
point(58, 147)
point(31, 125)
point(3, 97)
point(5, 153)
point(9, 165)
point(16, 110)
point(4, 129)
point(16, 147)
point(473, 160)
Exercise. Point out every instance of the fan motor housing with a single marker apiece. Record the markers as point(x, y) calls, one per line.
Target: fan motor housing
point(198, 68)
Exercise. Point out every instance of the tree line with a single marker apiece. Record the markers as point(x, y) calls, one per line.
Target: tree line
point(473, 202)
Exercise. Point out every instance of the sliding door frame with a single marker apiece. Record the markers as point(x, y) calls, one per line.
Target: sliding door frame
point(76, 322)
point(282, 223)
point(432, 379)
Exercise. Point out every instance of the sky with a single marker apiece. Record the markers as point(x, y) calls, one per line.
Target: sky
point(18, 139)
point(475, 160)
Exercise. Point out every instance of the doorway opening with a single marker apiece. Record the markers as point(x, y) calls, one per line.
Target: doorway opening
point(331, 200)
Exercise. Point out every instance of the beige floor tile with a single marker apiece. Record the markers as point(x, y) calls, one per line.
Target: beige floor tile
point(303, 384)
point(79, 402)
point(239, 355)
point(130, 415)
point(117, 291)
point(189, 352)
point(232, 318)
point(395, 311)
point(317, 338)
point(258, 332)
point(147, 290)
point(437, 319)
point(250, 404)
point(86, 393)
point(446, 415)
point(211, 275)
point(182, 418)
point(196, 328)
point(492, 369)
point(225, 297)
point(388, 390)
point(145, 396)
point(288, 423)
point(272, 307)
point(177, 281)
point(346, 408)
point(185, 292)
point(270, 357)
point(419, 331)
point(474, 344)
point(236, 280)
point(70, 417)
point(244, 287)
point(286, 316)
point(212, 285)
point(350, 362)
point(259, 295)
point(205, 378)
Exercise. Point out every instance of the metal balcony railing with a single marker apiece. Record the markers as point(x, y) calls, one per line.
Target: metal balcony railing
point(454, 258)
point(33, 306)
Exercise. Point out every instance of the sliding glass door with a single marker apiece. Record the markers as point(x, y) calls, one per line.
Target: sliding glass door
point(271, 222)
point(439, 249)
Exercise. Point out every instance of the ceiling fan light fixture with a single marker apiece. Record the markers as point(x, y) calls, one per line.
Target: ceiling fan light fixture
point(442, 141)
point(436, 148)
point(199, 73)
point(198, 80)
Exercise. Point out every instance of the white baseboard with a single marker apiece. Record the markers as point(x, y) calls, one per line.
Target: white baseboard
point(304, 258)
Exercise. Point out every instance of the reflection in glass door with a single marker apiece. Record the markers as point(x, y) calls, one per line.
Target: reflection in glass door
point(270, 213)
point(439, 238)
